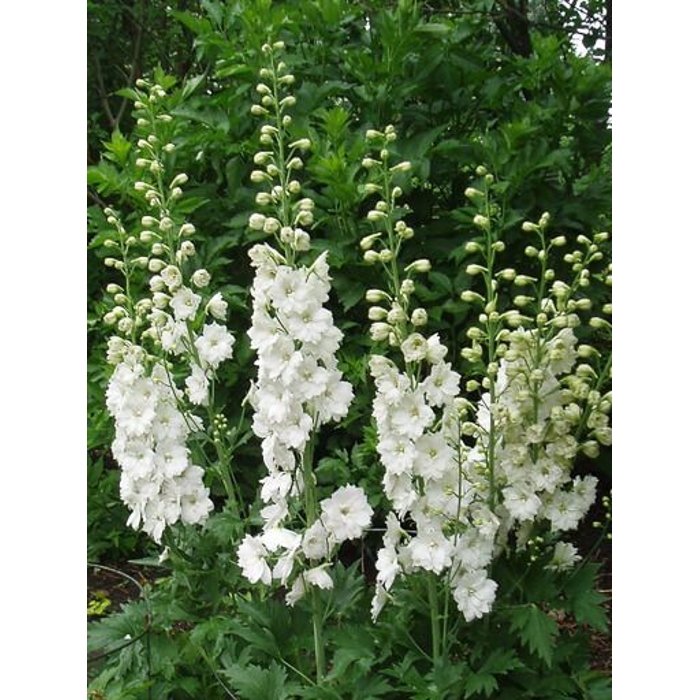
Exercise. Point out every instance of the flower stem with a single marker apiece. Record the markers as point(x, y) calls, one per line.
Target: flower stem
point(434, 618)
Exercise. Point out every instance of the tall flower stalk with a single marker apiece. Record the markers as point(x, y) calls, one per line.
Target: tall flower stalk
point(168, 344)
point(299, 387)
point(462, 475)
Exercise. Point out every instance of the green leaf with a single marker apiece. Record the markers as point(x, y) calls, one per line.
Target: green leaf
point(585, 602)
point(536, 630)
point(255, 683)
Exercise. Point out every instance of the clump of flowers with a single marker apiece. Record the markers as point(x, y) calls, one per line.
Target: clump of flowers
point(459, 487)
point(169, 342)
point(438, 524)
point(299, 387)
point(544, 402)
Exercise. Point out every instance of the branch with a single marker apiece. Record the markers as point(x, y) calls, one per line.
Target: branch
point(104, 99)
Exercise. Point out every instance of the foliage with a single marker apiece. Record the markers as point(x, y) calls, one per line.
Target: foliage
point(464, 85)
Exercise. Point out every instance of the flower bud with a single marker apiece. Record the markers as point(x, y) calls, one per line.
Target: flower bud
point(402, 167)
point(472, 297)
point(271, 225)
point(288, 101)
point(531, 251)
point(258, 176)
point(201, 278)
point(523, 280)
point(374, 296)
point(304, 218)
point(472, 247)
point(377, 313)
point(481, 171)
point(369, 163)
point(296, 163)
point(301, 144)
point(481, 221)
point(473, 193)
point(544, 219)
point(258, 111)
point(521, 300)
point(419, 317)
point(375, 215)
point(371, 188)
point(157, 249)
point(161, 300)
point(379, 331)
point(371, 256)
point(257, 221)
point(154, 264)
point(368, 241)
point(529, 227)
point(475, 269)
point(607, 309)
point(386, 255)
point(559, 241)
point(371, 134)
point(420, 265)
point(498, 246)
point(186, 230)
point(600, 237)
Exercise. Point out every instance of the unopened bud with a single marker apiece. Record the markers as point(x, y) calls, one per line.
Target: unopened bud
point(419, 317)
point(374, 296)
point(368, 241)
point(481, 221)
point(420, 265)
point(402, 167)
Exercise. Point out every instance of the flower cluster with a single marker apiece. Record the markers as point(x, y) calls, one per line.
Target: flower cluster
point(178, 320)
point(542, 406)
point(299, 387)
point(159, 482)
point(418, 414)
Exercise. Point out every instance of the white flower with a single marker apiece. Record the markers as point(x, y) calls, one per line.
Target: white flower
point(197, 386)
point(433, 456)
point(185, 304)
point(319, 577)
point(214, 345)
point(172, 277)
point(414, 348)
point(521, 501)
point(564, 557)
point(435, 351)
point(474, 594)
point(378, 601)
point(315, 543)
point(430, 550)
point(252, 560)
point(172, 336)
point(217, 307)
point(346, 513)
point(387, 567)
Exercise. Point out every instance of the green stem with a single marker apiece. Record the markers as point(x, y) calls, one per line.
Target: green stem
point(311, 515)
point(319, 645)
point(434, 618)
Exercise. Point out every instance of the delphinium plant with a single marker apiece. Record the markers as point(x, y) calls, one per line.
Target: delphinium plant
point(169, 340)
point(298, 387)
point(480, 470)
